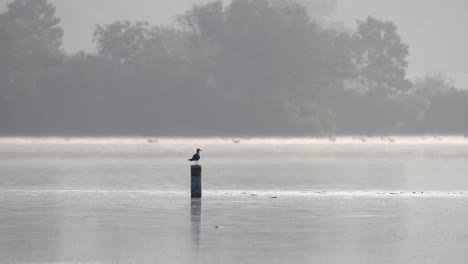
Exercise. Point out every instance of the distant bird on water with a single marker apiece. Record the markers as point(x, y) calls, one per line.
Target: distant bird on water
point(196, 157)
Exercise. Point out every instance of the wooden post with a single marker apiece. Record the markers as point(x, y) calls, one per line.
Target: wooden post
point(196, 172)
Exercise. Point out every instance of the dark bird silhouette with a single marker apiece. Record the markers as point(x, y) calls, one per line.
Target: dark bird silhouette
point(196, 157)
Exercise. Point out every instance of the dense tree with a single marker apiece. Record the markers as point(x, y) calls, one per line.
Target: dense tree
point(30, 43)
point(270, 52)
point(380, 56)
point(315, 8)
point(433, 85)
point(447, 113)
point(448, 106)
point(247, 67)
point(122, 41)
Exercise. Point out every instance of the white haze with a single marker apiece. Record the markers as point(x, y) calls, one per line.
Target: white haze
point(435, 29)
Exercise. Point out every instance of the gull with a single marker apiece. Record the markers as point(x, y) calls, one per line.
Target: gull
point(196, 157)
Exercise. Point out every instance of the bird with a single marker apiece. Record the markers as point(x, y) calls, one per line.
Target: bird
point(196, 157)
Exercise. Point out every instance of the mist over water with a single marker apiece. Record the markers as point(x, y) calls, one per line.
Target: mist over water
point(243, 68)
point(331, 131)
point(264, 164)
point(127, 200)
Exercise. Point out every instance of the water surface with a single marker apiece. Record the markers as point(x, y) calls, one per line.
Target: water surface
point(124, 200)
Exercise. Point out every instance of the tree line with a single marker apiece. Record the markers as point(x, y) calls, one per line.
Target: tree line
point(249, 67)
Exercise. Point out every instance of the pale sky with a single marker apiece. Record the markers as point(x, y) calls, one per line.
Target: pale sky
point(435, 29)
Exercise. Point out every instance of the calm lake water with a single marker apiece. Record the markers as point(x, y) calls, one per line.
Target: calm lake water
point(353, 200)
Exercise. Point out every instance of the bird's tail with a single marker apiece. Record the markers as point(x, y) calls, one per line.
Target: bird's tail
point(190, 160)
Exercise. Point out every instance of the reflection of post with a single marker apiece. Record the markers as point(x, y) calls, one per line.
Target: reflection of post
point(196, 173)
point(196, 208)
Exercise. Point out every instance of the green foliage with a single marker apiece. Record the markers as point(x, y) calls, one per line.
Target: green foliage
point(316, 8)
point(34, 24)
point(250, 67)
point(447, 113)
point(30, 38)
point(264, 49)
point(30, 44)
point(122, 41)
point(433, 85)
point(380, 56)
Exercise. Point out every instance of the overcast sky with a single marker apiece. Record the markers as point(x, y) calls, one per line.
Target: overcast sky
point(434, 29)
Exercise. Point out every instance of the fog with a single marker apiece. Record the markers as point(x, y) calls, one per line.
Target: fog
point(435, 29)
point(329, 131)
point(247, 67)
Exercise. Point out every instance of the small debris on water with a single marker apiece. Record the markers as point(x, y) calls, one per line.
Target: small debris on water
point(274, 197)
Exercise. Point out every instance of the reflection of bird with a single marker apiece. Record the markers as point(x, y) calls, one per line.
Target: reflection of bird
point(196, 157)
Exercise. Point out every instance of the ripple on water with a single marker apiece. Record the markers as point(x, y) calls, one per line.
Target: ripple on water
point(235, 193)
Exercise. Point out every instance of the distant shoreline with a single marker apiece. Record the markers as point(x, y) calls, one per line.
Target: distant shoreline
point(241, 136)
point(350, 139)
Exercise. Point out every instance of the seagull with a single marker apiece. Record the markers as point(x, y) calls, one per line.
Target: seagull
point(196, 157)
